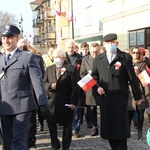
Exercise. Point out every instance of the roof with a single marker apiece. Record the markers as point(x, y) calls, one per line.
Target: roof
point(36, 1)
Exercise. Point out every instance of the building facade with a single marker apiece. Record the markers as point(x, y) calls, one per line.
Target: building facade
point(91, 20)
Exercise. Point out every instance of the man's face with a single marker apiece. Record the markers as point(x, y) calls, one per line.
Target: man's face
point(85, 51)
point(111, 46)
point(50, 52)
point(70, 46)
point(94, 51)
point(9, 43)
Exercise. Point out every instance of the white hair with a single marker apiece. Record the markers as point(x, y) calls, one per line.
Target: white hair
point(60, 52)
point(22, 40)
point(69, 41)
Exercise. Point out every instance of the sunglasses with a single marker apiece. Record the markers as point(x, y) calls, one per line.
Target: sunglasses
point(135, 52)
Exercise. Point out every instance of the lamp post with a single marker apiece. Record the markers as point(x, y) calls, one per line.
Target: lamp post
point(72, 23)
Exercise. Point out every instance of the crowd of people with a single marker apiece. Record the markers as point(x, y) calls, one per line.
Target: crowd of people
point(32, 83)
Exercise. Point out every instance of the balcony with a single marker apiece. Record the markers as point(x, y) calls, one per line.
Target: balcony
point(50, 35)
point(42, 16)
point(37, 39)
point(36, 22)
point(48, 16)
point(42, 37)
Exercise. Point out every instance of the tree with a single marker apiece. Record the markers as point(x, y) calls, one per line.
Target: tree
point(7, 18)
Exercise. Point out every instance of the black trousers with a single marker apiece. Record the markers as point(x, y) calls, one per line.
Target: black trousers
point(66, 138)
point(91, 115)
point(32, 129)
point(118, 144)
point(41, 119)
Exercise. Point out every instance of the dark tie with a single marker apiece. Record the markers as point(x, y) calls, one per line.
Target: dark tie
point(7, 58)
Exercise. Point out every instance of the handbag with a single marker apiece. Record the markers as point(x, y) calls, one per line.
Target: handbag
point(147, 69)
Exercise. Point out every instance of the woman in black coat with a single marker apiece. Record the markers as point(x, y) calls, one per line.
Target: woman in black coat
point(61, 85)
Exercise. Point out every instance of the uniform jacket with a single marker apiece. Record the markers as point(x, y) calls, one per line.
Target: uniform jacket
point(86, 67)
point(114, 80)
point(41, 64)
point(66, 92)
point(21, 72)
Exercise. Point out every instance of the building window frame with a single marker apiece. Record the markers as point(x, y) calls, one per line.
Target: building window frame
point(88, 16)
point(139, 37)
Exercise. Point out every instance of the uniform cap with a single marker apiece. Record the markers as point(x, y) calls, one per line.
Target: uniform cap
point(10, 30)
point(110, 37)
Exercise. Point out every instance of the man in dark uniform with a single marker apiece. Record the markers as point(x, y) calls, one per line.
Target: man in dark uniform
point(19, 74)
point(113, 71)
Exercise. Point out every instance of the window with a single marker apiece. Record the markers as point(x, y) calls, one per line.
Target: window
point(140, 37)
point(89, 16)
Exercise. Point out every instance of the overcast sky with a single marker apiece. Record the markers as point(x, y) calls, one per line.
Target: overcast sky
point(18, 7)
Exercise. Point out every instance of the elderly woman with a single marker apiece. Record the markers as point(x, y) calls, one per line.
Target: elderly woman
point(61, 85)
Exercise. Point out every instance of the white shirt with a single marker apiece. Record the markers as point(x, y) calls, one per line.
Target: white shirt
point(110, 57)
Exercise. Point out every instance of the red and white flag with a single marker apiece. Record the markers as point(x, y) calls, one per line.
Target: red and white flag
point(87, 82)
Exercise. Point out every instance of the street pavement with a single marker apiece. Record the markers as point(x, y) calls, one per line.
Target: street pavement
point(86, 142)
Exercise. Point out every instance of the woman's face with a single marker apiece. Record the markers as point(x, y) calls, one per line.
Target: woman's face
point(135, 54)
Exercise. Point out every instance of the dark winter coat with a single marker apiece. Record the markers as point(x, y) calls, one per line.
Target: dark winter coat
point(114, 80)
point(66, 92)
point(145, 89)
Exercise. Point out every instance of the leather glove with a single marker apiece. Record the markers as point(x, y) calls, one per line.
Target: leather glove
point(45, 111)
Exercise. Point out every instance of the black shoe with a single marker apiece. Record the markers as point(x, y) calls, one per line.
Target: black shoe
point(31, 145)
point(76, 134)
point(32, 142)
point(140, 137)
point(55, 148)
point(94, 132)
point(41, 129)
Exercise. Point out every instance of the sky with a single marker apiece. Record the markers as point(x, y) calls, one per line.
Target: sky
point(18, 7)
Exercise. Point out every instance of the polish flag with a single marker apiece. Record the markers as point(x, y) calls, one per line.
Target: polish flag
point(87, 82)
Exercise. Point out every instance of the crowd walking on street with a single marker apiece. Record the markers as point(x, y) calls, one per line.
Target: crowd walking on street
point(40, 96)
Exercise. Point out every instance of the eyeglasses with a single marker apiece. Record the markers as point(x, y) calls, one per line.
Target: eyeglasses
point(135, 52)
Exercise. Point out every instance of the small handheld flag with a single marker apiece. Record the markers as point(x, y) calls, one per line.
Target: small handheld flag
point(87, 82)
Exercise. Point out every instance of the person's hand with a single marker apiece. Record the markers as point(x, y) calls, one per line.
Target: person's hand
point(139, 102)
point(72, 106)
point(45, 111)
point(100, 91)
point(53, 86)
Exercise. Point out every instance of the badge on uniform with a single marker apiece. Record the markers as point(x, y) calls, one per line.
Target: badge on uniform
point(1, 75)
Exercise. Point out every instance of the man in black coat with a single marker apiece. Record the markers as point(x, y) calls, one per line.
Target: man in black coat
point(60, 81)
point(75, 59)
point(113, 71)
